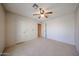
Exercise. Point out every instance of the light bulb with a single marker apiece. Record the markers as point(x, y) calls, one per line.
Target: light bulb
point(42, 15)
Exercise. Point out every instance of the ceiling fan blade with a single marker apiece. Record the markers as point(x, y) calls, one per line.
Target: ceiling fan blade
point(35, 14)
point(48, 12)
point(46, 16)
point(39, 17)
point(35, 6)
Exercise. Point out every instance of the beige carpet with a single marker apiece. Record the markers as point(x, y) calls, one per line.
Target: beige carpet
point(42, 47)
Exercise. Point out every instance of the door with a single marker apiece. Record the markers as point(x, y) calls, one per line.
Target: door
point(39, 30)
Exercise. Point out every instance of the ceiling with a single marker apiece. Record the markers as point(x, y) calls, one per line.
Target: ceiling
point(26, 9)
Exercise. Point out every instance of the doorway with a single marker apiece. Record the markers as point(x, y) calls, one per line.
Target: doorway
point(39, 26)
point(42, 30)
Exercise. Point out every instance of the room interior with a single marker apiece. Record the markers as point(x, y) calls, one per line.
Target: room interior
point(39, 29)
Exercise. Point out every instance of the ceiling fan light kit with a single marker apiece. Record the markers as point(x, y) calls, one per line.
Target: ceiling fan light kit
point(42, 13)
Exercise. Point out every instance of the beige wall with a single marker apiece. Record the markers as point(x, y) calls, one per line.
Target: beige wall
point(2, 29)
point(10, 30)
point(19, 29)
point(77, 28)
point(62, 28)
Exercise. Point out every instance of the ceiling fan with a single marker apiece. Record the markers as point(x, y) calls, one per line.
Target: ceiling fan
point(42, 12)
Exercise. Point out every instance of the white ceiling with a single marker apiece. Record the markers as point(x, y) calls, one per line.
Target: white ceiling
point(26, 9)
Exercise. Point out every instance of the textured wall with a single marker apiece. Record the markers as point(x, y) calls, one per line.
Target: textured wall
point(61, 29)
point(77, 28)
point(2, 29)
point(19, 29)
